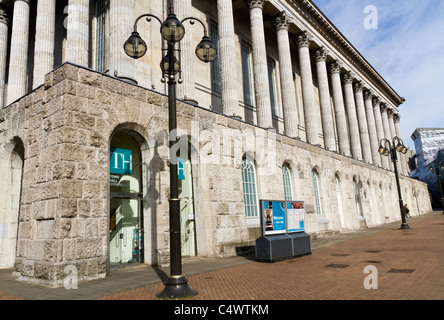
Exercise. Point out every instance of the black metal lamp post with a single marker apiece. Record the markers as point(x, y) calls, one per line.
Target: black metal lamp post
point(437, 168)
point(386, 149)
point(173, 31)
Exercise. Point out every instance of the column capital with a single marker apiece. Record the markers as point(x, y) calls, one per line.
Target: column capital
point(282, 21)
point(321, 55)
point(335, 67)
point(3, 17)
point(358, 87)
point(376, 102)
point(348, 77)
point(390, 112)
point(396, 117)
point(383, 107)
point(304, 39)
point(253, 4)
point(368, 94)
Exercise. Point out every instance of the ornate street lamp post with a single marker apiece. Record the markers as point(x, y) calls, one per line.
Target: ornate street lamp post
point(386, 149)
point(437, 168)
point(172, 31)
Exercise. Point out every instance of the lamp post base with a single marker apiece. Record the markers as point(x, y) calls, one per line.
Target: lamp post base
point(404, 226)
point(176, 287)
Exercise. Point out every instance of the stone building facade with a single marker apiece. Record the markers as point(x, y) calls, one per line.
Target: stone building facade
point(289, 110)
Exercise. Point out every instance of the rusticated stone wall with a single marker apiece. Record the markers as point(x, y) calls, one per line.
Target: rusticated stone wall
point(64, 129)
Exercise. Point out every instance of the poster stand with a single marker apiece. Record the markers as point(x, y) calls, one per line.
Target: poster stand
point(283, 235)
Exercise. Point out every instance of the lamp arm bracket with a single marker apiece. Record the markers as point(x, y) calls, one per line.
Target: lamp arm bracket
point(192, 22)
point(149, 16)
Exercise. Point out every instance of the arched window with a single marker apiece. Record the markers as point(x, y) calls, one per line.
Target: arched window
point(249, 188)
point(286, 175)
point(357, 197)
point(339, 199)
point(317, 193)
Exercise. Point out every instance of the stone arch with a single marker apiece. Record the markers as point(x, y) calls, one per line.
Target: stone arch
point(152, 165)
point(11, 171)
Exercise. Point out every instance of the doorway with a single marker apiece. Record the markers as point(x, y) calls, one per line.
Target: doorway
point(125, 207)
point(186, 195)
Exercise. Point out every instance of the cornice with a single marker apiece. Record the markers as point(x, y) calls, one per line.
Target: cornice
point(313, 15)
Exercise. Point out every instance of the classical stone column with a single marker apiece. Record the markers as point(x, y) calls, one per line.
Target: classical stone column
point(373, 135)
point(402, 157)
point(324, 99)
point(18, 60)
point(286, 73)
point(386, 126)
point(379, 129)
point(44, 41)
point(350, 107)
point(121, 20)
point(260, 68)
point(3, 54)
point(311, 114)
point(77, 35)
point(338, 100)
point(227, 49)
point(362, 121)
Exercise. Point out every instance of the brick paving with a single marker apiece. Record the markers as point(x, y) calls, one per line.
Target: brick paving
point(408, 264)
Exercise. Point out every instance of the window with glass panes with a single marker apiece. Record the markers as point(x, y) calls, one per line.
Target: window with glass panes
point(215, 64)
point(247, 74)
point(317, 193)
point(288, 192)
point(272, 85)
point(100, 36)
point(249, 188)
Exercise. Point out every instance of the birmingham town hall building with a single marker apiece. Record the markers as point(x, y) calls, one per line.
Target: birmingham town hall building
point(289, 110)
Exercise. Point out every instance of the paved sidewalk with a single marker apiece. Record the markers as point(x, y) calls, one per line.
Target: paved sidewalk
point(398, 264)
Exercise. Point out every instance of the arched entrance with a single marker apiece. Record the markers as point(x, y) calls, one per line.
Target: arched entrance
point(186, 195)
point(11, 170)
point(125, 209)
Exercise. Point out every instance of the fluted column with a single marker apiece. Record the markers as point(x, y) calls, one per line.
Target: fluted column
point(3, 53)
point(324, 99)
point(379, 129)
point(386, 126)
point(77, 34)
point(227, 49)
point(373, 135)
point(362, 121)
point(18, 60)
point(310, 113)
point(286, 73)
point(338, 100)
point(402, 157)
point(121, 20)
point(352, 117)
point(260, 69)
point(44, 41)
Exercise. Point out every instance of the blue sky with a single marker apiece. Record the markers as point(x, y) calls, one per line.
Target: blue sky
point(406, 49)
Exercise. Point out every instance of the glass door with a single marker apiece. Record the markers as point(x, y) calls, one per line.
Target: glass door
point(126, 229)
point(187, 222)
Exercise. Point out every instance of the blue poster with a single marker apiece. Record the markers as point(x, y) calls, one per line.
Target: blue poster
point(274, 217)
point(121, 161)
point(180, 169)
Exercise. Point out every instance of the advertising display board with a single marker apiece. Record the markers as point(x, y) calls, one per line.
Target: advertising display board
point(295, 216)
point(283, 231)
point(280, 217)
